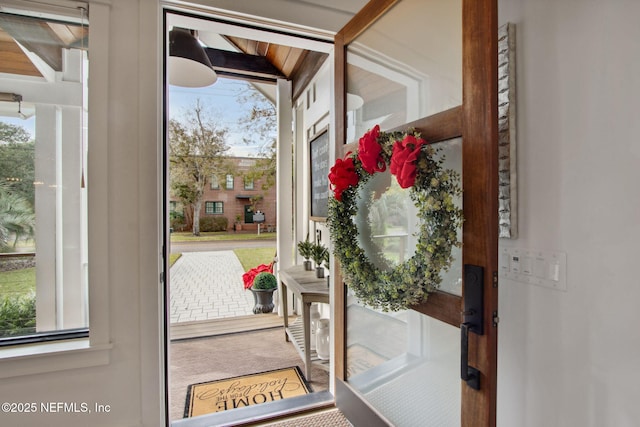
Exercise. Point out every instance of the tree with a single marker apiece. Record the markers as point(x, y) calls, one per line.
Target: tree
point(16, 217)
point(262, 124)
point(196, 154)
point(17, 161)
point(13, 133)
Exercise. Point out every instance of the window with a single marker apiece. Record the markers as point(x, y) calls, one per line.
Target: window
point(215, 183)
point(43, 169)
point(213, 208)
point(229, 184)
point(248, 184)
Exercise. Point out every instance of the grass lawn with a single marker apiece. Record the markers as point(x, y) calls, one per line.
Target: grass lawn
point(252, 257)
point(18, 282)
point(220, 235)
point(173, 258)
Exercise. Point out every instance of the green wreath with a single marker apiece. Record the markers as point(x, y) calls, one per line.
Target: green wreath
point(417, 166)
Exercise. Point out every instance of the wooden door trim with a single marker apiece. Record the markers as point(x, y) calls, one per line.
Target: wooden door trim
point(438, 127)
point(480, 194)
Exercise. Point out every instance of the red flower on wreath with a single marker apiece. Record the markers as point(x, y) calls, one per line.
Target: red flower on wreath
point(369, 152)
point(403, 160)
point(342, 176)
point(250, 275)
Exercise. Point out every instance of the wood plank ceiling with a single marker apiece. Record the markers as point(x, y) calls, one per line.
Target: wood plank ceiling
point(295, 64)
point(45, 39)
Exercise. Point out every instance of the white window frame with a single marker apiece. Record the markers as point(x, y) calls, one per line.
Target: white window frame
point(213, 205)
point(229, 178)
point(55, 356)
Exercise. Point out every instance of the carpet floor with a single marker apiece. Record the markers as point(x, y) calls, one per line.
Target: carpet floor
point(224, 356)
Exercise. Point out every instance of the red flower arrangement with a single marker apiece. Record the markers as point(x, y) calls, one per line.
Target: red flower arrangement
point(403, 160)
point(250, 275)
point(342, 176)
point(370, 152)
point(402, 163)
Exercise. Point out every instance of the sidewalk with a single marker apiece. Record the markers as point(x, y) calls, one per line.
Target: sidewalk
point(208, 285)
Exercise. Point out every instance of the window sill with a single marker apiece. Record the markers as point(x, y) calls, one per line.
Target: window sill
point(51, 357)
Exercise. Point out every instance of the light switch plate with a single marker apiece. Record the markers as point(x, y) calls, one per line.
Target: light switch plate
point(540, 268)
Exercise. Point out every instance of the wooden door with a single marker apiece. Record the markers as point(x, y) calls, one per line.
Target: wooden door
point(474, 120)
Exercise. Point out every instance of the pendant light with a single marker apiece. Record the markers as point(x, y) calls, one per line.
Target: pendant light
point(189, 65)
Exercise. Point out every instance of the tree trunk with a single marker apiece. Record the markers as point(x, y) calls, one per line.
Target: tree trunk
point(196, 217)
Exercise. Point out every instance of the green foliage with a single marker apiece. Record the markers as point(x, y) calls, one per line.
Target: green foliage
point(13, 133)
point(16, 217)
point(319, 254)
point(17, 161)
point(17, 315)
point(214, 223)
point(265, 280)
point(305, 248)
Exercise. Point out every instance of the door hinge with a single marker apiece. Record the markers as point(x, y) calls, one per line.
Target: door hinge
point(495, 279)
point(495, 319)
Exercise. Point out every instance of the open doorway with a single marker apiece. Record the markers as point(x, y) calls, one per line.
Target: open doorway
point(215, 332)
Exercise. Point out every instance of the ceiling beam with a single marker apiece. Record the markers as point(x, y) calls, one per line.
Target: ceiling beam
point(225, 61)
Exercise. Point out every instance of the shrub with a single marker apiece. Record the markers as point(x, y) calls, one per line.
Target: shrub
point(17, 315)
point(214, 223)
point(178, 224)
point(265, 280)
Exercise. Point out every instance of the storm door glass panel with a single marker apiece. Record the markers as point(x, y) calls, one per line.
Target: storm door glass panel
point(407, 66)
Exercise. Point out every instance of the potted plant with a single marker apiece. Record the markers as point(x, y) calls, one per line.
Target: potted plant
point(263, 287)
point(319, 254)
point(262, 283)
point(305, 249)
point(237, 226)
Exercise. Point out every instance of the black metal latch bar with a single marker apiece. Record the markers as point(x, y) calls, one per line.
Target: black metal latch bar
point(472, 321)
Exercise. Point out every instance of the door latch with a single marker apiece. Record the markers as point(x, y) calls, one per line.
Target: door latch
point(472, 320)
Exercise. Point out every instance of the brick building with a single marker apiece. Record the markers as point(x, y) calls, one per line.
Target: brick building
point(236, 198)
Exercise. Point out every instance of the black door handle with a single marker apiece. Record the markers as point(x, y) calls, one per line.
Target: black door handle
point(472, 321)
point(469, 374)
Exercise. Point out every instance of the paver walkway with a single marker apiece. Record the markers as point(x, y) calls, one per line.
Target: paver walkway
point(208, 285)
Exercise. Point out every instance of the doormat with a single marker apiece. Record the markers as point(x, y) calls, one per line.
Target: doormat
point(361, 359)
point(246, 390)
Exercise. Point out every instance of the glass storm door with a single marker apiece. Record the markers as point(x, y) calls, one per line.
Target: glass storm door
point(429, 65)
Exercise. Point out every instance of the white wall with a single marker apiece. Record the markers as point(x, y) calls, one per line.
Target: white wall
point(570, 358)
point(124, 261)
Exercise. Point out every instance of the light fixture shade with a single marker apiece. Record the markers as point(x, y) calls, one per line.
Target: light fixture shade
point(354, 102)
point(189, 65)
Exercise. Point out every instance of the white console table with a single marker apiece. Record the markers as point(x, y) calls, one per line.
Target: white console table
point(309, 289)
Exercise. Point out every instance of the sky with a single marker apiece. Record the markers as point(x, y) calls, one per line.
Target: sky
point(221, 100)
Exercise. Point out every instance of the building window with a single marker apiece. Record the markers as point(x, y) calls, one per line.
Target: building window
point(215, 182)
point(248, 184)
point(213, 208)
point(229, 184)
